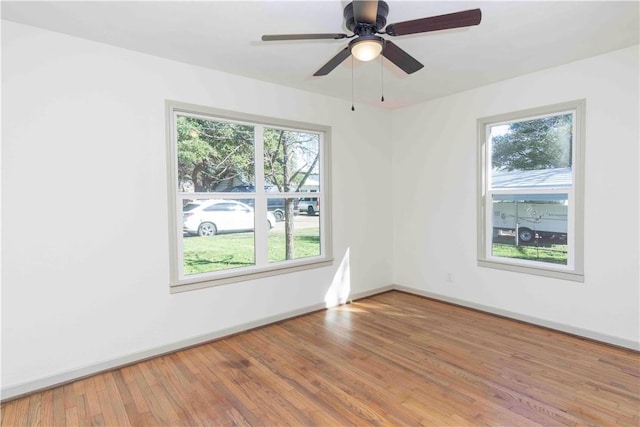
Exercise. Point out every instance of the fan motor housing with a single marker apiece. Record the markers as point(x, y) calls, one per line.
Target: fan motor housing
point(381, 18)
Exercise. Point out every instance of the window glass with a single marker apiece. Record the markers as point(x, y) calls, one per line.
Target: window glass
point(532, 153)
point(291, 160)
point(295, 239)
point(530, 226)
point(214, 155)
point(217, 235)
point(292, 165)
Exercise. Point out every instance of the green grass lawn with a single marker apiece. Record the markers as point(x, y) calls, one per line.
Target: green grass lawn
point(235, 250)
point(306, 244)
point(555, 254)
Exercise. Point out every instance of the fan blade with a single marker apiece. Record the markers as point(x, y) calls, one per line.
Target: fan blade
point(365, 11)
point(465, 18)
point(333, 62)
point(277, 37)
point(402, 59)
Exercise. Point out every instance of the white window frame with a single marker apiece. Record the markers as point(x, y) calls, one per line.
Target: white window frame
point(179, 282)
point(574, 270)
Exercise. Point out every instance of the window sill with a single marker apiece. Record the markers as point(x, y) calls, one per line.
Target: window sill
point(191, 284)
point(545, 272)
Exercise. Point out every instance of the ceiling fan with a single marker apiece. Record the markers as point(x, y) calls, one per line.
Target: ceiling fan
point(367, 18)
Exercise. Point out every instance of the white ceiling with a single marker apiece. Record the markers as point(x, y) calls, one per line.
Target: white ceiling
point(513, 38)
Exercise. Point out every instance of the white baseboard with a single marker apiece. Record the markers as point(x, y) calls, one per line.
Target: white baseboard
point(15, 391)
point(597, 336)
point(366, 294)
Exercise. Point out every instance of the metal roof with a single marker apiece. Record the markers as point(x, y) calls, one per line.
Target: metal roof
point(548, 178)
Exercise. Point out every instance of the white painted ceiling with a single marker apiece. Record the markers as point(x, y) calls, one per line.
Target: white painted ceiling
point(514, 38)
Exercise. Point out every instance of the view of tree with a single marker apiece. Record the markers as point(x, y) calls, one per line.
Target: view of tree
point(534, 144)
point(216, 155)
point(213, 154)
point(289, 158)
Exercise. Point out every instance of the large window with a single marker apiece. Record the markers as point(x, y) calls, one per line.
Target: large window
point(530, 191)
point(239, 186)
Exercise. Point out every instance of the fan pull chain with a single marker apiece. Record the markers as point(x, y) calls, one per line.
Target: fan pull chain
point(382, 74)
point(352, 107)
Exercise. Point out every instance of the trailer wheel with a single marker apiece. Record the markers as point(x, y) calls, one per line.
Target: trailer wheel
point(525, 235)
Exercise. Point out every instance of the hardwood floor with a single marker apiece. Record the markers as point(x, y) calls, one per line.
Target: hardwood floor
point(392, 359)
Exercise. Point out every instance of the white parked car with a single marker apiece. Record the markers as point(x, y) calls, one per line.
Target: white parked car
point(210, 217)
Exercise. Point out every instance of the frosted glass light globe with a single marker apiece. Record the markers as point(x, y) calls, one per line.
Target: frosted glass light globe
point(366, 50)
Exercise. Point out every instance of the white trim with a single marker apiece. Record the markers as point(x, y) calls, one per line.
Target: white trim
point(260, 242)
point(524, 266)
point(574, 269)
point(18, 390)
point(569, 329)
point(250, 273)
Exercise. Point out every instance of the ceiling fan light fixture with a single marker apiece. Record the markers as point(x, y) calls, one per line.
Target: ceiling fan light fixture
point(366, 48)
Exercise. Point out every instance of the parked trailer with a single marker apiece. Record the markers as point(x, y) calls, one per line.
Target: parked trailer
point(530, 219)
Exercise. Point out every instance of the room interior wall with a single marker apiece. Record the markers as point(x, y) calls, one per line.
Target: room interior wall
point(85, 276)
point(435, 199)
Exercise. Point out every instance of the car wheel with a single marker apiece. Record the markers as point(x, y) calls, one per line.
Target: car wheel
point(207, 229)
point(269, 225)
point(279, 215)
point(525, 235)
point(310, 211)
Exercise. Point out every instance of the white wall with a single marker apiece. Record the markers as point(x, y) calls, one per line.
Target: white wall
point(434, 161)
point(85, 278)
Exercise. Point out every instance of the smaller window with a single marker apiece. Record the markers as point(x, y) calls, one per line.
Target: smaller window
point(530, 191)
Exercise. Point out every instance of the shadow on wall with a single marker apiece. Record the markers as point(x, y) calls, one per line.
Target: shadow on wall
point(340, 288)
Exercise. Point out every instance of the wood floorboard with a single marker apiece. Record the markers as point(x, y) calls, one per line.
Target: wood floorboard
point(391, 359)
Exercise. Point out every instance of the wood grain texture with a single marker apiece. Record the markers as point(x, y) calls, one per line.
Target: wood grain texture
point(392, 359)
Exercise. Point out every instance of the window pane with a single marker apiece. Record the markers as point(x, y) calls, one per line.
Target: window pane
point(214, 155)
point(279, 207)
point(532, 153)
point(291, 160)
point(309, 205)
point(297, 236)
point(217, 235)
point(530, 227)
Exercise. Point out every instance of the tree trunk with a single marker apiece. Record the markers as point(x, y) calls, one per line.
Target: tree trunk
point(288, 228)
point(290, 251)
